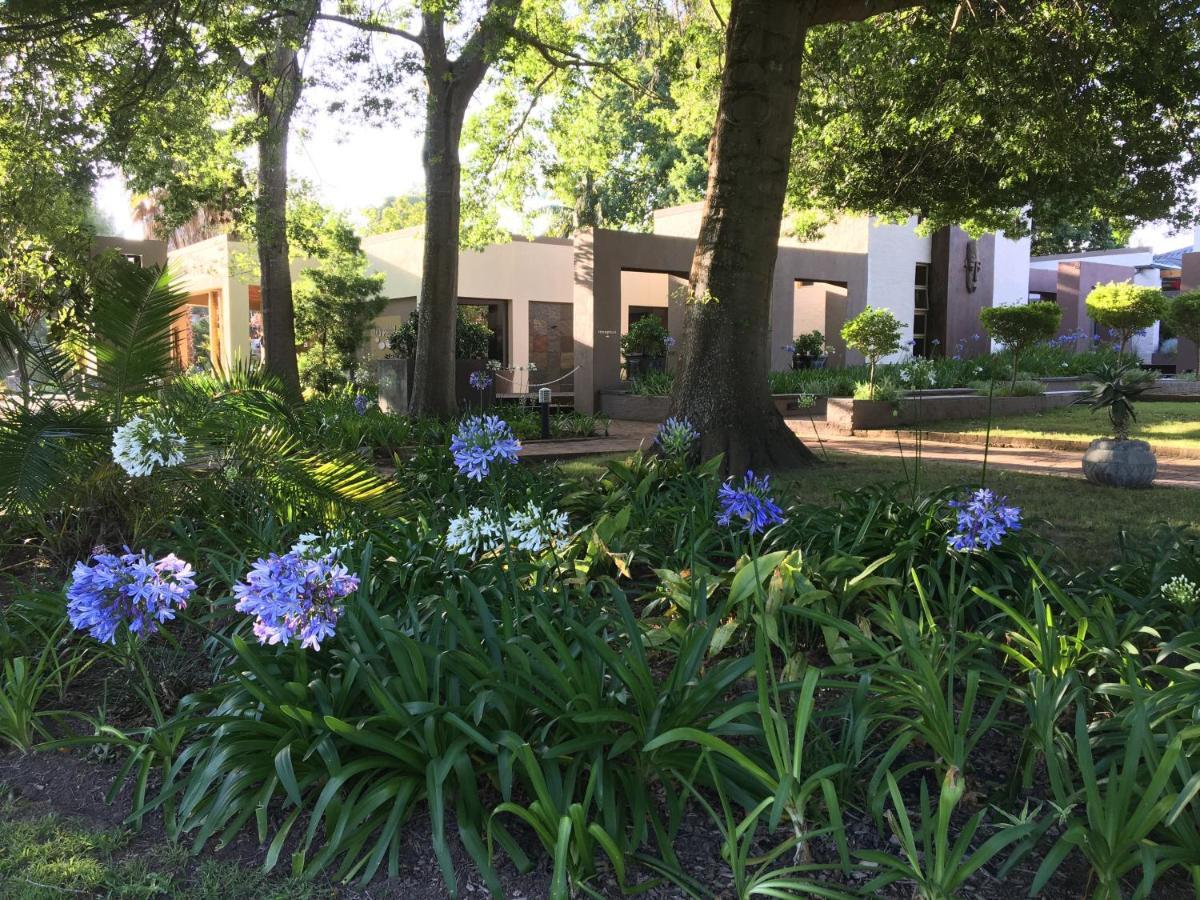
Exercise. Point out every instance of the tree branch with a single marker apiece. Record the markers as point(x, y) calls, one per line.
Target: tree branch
point(372, 25)
point(829, 11)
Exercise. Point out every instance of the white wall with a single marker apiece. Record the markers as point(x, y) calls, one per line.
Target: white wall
point(893, 252)
point(1010, 284)
point(1146, 344)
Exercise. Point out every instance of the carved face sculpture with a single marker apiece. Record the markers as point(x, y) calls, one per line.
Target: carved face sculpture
point(971, 266)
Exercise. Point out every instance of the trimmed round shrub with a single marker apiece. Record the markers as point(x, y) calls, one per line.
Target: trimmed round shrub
point(1183, 315)
point(874, 333)
point(1020, 327)
point(1125, 308)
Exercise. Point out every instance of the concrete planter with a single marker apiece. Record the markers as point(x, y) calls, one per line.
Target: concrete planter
point(395, 378)
point(851, 416)
point(1127, 464)
point(634, 407)
point(638, 364)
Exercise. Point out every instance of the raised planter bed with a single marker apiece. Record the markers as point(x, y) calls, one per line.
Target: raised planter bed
point(634, 407)
point(1172, 389)
point(852, 416)
point(395, 377)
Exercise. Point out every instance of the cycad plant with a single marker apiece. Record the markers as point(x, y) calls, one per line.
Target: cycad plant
point(1117, 385)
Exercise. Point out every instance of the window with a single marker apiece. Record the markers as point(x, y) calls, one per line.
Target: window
point(920, 310)
point(135, 258)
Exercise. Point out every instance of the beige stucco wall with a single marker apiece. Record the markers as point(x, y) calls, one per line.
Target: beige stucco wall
point(518, 272)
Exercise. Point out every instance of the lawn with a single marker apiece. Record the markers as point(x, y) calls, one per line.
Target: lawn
point(1083, 519)
point(1162, 424)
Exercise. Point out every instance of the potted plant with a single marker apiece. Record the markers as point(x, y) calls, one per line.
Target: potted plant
point(644, 347)
point(808, 350)
point(1119, 461)
point(395, 371)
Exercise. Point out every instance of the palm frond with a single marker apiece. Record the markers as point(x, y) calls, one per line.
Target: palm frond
point(131, 321)
point(51, 372)
point(245, 390)
point(36, 447)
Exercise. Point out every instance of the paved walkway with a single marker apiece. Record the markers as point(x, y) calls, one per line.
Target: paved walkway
point(626, 437)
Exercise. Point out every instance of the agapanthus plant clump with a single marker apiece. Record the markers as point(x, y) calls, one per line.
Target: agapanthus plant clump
point(142, 445)
point(361, 404)
point(749, 504)
point(480, 443)
point(296, 598)
point(529, 528)
point(129, 590)
point(982, 521)
point(676, 437)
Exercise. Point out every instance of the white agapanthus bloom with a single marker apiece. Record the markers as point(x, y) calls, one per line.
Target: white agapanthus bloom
point(142, 445)
point(478, 531)
point(533, 529)
point(529, 528)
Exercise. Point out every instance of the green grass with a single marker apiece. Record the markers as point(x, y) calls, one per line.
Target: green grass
point(45, 856)
point(1164, 424)
point(1083, 519)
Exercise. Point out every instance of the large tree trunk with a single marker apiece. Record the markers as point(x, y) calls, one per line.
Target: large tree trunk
point(722, 388)
point(437, 306)
point(275, 97)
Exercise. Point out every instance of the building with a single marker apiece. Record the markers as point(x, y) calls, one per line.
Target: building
point(562, 304)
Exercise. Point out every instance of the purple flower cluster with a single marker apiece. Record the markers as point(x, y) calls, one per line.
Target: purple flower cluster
point(676, 436)
point(294, 597)
point(982, 521)
point(129, 589)
point(480, 442)
point(480, 380)
point(751, 502)
point(361, 404)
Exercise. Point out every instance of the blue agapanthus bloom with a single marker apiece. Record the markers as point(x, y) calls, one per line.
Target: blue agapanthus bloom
point(751, 502)
point(480, 380)
point(361, 404)
point(130, 589)
point(982, 521)
point(480, 442)
point(676, 436)
point(295, 597)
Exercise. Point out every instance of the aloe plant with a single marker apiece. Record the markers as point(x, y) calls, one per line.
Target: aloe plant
point(1117, 386)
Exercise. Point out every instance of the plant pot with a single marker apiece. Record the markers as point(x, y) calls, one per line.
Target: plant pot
point(1128, 464)
point(802, 361)
point(638, 364)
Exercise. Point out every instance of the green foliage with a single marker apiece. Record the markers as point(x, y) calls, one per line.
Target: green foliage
point(1063, 237)
point(471, 338)
point(1115, 390)
point(1183, 315)
point(874, 333)
point(395, 213)
point(646, 337)
point(652, 384)
point(1126, 308)
point(1020, 327)
point(811, 344)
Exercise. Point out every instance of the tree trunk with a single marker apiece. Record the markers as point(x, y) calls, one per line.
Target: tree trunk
point(722, 388)
point(437, 306)
point(275, 103)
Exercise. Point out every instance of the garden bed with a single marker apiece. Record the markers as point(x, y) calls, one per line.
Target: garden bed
point(851, 416)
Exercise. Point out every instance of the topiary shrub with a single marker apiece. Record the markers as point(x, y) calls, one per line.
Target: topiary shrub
point(1126, 308)
point(1020, 327)
point(874, 333)
point(1183, 315)
point(647, 337)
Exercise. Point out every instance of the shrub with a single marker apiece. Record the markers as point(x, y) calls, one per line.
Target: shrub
point(811, 344)
point(318, 372)
point(1183, 315)
point(874, 333)
point(1020, 327)
point(646, 336)
point(884, 390)
point(1126, 308)
point(471, 338)
point(652, 384)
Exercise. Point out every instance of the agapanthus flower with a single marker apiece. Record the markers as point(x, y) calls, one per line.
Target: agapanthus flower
point(480, 380)
point(534, 529)
point(676, 436)
point(142, 445)
point(750, 502)
point(130, 589)
point(982, 521)
point(789, 349)
point(481, 530)
point(480, 442)
point(669, 343)
point(295, 597)
point(361, 404)
point(1182, 591)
